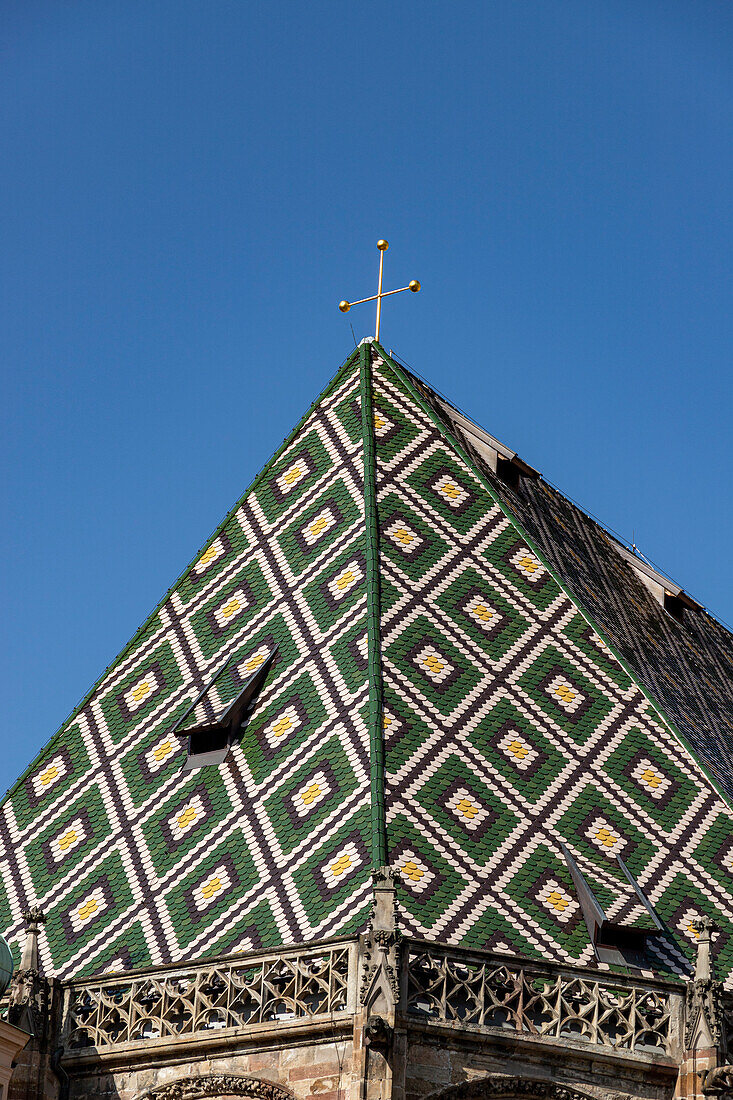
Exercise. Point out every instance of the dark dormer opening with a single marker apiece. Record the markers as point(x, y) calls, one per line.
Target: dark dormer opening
point(219, 714)
point(617, 942)
point(621, 946)
point(504, 462)
point(508, 471)
point(670, 596)
point(207, 745)
point(674, 606)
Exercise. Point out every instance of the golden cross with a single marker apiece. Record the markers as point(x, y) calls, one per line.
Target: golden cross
point(414, 286)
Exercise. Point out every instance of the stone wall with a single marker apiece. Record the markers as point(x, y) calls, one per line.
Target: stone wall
point(437, 1061)
point(321, 1068)
point(421, 1064)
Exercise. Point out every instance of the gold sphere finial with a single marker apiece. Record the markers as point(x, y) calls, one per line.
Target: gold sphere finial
point(344, 306)
point(382, 245)
point(414, 286)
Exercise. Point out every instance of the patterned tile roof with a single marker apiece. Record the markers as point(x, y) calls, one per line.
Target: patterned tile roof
point(686, 667)
point(135, 862)
point(447, 696)
point(511, 725)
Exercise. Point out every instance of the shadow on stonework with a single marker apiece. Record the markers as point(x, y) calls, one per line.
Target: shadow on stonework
point(227, 1086)
point(508, 1088)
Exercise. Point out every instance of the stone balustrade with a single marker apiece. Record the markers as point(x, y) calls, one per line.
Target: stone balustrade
point(471, 991)
point(477, 991)
point(208, 997)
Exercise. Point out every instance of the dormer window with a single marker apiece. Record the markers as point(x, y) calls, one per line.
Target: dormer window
point(216, 720)
point(621, 941)
point(674, 606)
point(670, 596)
point(505, 463)
point(508, 471)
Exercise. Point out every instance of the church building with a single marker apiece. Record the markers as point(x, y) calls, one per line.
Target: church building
point(417, 783)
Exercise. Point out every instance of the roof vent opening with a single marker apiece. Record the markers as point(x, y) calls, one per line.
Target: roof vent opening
point(217, 717)
point(509, 472)
point(620, 946)
point(674, 606)
point(622, 941)
point(501, 459)
point(207, 745)
point(669, 595)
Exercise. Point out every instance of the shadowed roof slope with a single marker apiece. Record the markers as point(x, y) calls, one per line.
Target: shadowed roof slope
point(514, 734)
point(687, 666)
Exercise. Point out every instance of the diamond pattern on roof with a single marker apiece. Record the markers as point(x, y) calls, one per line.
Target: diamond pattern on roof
point(135, 862)
point(510, 726)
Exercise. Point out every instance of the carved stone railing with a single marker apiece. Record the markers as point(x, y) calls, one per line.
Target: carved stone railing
point(166, 1003)
point(469, 991)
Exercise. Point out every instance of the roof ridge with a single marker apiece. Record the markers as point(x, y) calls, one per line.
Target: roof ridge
point(371, 553)
point(348, 362)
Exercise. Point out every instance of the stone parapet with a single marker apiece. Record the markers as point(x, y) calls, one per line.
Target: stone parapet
point(167, 1004)
point(467, 991)
point(376, 1017)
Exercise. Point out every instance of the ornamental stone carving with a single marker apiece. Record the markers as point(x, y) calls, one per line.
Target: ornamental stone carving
point(379, 988)
point(718, 1081)
point(484, 1088)
point(29, 989)
point(377, 1032)
point(703, 1010)
point(203, 998)
point(704, 995)
point(475, 991)
point(217, 1084)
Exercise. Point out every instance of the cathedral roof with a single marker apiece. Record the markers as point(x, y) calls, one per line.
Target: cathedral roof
point(462, 675)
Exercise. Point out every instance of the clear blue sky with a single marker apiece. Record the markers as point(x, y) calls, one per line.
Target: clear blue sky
point(189, 188)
